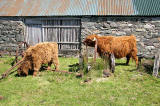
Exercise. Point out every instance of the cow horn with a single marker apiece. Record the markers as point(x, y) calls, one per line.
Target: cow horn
point(94, 39)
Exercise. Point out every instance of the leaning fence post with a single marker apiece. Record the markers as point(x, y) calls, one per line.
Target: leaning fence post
point(112, 64)
point(156, 64)
point(87, 53)
point(95, 50)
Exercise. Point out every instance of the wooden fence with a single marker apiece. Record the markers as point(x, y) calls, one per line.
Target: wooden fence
point(65, 32)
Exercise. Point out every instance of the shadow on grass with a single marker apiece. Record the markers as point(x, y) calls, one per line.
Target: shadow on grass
point(122, 64)
point(30, 72)
point(74, 67)
point(147, 69)
point(133, 70)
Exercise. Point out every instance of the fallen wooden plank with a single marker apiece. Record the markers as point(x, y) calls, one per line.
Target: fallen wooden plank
point(5, 74)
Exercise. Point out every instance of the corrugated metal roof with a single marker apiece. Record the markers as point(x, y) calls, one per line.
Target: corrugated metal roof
point(146, 7)
point(78, 7)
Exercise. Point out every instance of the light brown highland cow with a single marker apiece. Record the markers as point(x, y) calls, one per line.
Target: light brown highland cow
point(123, 46)
point(35, 56)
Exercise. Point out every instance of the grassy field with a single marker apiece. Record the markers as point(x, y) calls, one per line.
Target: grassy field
point(127, 87)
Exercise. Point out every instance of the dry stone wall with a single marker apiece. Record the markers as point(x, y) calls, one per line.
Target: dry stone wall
point(11, 32)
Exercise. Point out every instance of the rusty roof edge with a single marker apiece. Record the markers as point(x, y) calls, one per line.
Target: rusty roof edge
point(80, 7)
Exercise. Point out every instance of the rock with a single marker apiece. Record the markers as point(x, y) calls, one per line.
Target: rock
point(122, 25)
point(130, 25)
point(142, 44)
point(120, 33)
point(1, 42)
point(87, 80)
point(79, 75)
point(6, 39)
point(106, 73)
point(155, 40)
point(140, 30)
point(148, 26)
point(157, 24)
point(113, 25)
point(156, 45)
point(105, 25)
point(96, 31)
point(98, 25)
point(11, 36)
point(19, 38)
point(107, 32)
point(150, 47)
point(1, 97)
point(148, 65)
point(155, 35)
point(137, 39)
point(127, 30)
point(148, 36)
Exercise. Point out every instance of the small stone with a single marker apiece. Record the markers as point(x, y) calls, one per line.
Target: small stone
point(148, 44)
point(1, 97)
point(140, 30)
point(79, 75)
point(130, 25)
point(148, 26)
point(148, 36)
point(96, 31)
point(11, 36)
point(150, 47)
point(155, 35)
point(127, 30)
point(148, 64)
point(106, 73)
point(98, 25)
point(120, 33)
point(155, 40)
point(142, 44)
point(105, 25)
point(1, 42)
point(122, 25)
point(87, 80)
point(107, 32)
point(157, 24)
point(5, 39)
point(114, 25)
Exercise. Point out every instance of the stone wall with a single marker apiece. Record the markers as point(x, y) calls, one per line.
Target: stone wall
point(11, 32)
point(146, 30)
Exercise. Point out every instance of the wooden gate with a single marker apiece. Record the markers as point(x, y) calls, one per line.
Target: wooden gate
point(66, 32)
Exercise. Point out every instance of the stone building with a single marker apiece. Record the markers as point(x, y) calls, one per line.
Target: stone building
point(68, 22)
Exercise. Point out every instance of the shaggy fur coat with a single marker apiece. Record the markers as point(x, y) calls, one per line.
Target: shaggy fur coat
point(35, 56)
point(123, 46)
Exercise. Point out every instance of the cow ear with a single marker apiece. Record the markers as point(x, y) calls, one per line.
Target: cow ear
point(94, 39)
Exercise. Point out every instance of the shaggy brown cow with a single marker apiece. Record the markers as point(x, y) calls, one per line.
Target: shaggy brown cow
point(35, 56)
point(124, 46)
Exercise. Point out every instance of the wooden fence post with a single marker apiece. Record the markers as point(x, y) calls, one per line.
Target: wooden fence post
point(95, 50)
point(87, 53)
point(156, 64)
point(112, 63)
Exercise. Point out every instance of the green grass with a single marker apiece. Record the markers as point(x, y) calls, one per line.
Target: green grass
point(127, 87)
